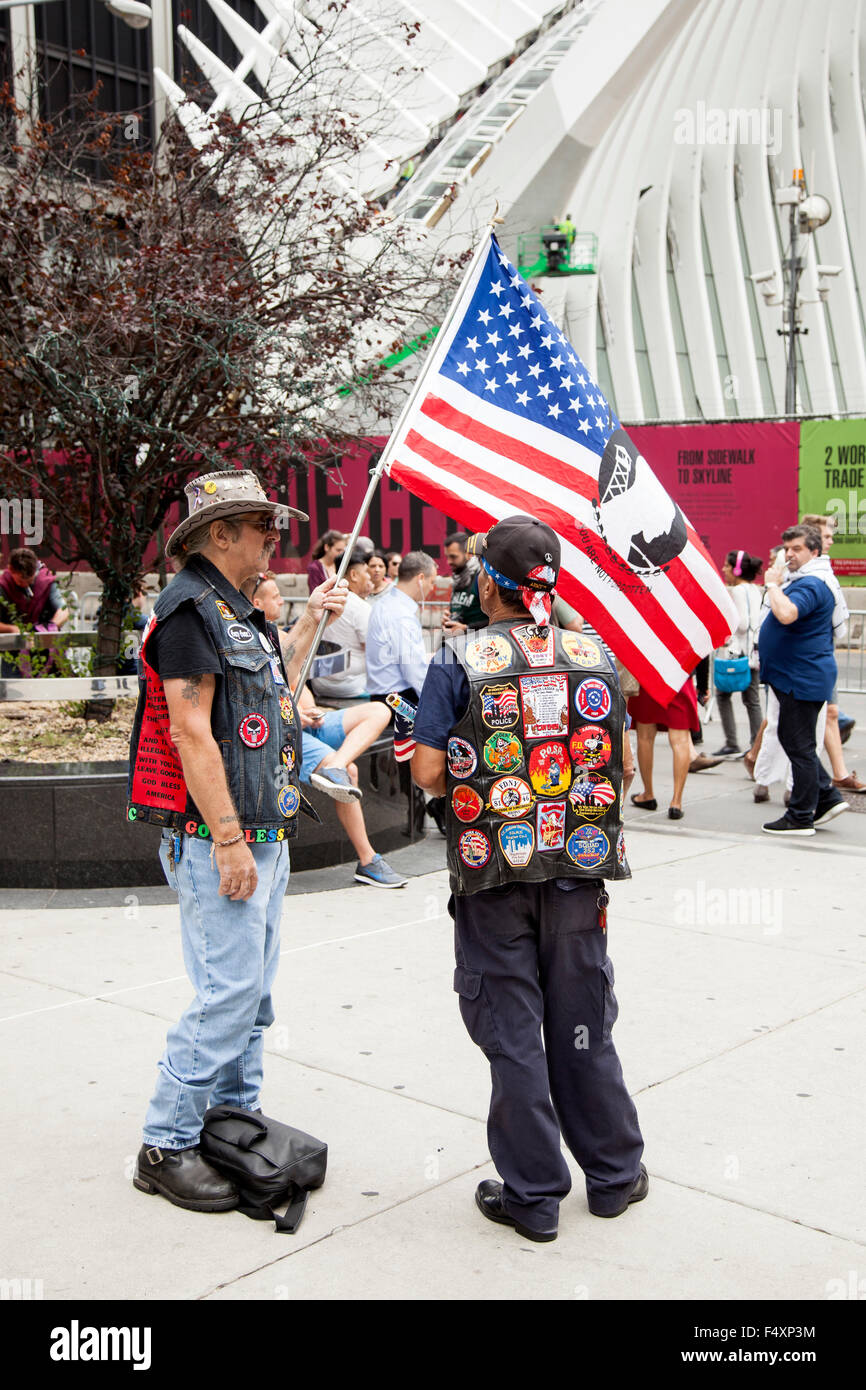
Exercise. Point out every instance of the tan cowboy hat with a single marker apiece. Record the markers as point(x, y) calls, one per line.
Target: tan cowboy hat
point(213, 495)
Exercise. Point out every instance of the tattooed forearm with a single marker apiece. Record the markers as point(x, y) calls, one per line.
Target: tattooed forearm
point(191, 690)
point(229, 820)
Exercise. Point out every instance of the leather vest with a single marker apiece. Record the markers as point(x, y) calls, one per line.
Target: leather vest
point(534, 765)
point(254, 720)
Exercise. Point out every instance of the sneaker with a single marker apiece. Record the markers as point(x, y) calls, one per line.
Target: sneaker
point(730, 750)
point(837, 808)
point(336, 782)
point(785, 826)
point(380, 874)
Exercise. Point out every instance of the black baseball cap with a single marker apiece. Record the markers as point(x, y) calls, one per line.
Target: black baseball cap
point(522, 548)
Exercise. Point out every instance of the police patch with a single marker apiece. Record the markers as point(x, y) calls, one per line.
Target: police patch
point(254, 730)
point(581, 651)
point(536, 643)
point(590, 747)
point(288, 800)
point(517, 843)
point(466, 804)
point(489, 654)
point(588, 847)
point(550, 824)
point(511, 797)
point(550, 769)
point(462, 758)
point(499, 707)
point(592, 699)
point(474, 849)
point(503, 753)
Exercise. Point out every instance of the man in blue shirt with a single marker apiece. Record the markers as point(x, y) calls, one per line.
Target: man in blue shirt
point(797, 662)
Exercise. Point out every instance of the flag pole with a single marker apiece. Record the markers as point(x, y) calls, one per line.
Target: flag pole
point(385, 456)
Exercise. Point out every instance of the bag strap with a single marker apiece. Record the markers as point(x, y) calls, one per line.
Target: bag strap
point(286, 1224)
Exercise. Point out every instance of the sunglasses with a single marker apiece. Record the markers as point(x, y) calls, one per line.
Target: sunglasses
point(263, 524)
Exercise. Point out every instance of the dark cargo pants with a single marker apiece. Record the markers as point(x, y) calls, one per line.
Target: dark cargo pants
point(532, 960)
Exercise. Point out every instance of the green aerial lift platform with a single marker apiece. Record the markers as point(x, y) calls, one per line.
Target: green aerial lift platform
point(551, 251)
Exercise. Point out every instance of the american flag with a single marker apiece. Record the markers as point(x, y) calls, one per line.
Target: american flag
point(505, 418)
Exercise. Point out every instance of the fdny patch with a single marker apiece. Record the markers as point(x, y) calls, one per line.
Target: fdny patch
point(590, 747)
point(592, 699)
point(536, 643)
point(503, 753)
point(592, 796)
point(489, 655)
point(286, 710)
point(550, 824)
point(581, 651)
point(620, 851)
point(499, 707)
point(238, 633)
point(254, 730)
point(474, 849)
point(462, 758)
point(588, 847)
point(466, 804)
point(288, 800)
point(545, 705)
point(517, 843)
point(511, 797)
point(550, 769)
point(225, 612)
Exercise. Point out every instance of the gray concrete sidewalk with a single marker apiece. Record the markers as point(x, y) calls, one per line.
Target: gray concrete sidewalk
point(741, 978)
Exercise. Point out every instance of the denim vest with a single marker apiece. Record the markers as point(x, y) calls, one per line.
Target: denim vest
point(534, 765)
point(253, 719)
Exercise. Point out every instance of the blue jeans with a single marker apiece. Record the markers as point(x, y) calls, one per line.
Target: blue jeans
point(317, 745)
point(213, 1054)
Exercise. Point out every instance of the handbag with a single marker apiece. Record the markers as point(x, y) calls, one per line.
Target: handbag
point(731, 673)
point(269, 1163)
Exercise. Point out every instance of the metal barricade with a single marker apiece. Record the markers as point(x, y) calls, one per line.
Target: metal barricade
point(851, 655)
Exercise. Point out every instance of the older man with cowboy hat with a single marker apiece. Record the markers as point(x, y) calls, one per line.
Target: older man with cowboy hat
point(214, 761)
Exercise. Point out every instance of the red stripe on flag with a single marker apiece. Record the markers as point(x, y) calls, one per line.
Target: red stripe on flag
point(573, 590)
point(581, 537)
point(545, 465)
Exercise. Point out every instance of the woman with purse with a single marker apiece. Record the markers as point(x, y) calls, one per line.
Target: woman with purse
point(737, 669)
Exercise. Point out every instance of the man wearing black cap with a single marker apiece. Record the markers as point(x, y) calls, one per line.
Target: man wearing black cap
point(521, 726)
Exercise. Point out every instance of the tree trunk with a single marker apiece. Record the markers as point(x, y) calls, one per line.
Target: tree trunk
point(108, 644)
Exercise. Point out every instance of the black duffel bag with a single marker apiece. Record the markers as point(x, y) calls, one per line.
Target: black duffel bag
point(269, 1162)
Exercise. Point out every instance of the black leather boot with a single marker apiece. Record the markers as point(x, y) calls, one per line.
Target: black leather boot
point(183, 1177)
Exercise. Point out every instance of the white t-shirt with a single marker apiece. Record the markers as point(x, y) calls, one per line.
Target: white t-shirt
point(349, 631)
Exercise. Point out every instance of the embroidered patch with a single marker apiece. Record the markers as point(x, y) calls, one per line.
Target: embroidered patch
point(462, 758)
point(592, 699)
point(499, 707)
point(545, 705)
point(517, 843)
point(581, 651)
point(225, 611)
point(489, 655)
point(588, 847)
point(474, 849)
point(238, 633)
point(590, 747)
point(550, 823)
point(592, 796)
point(550, 769)
point(503, 753)
point(288, 800)
point(286, 711)
point(511, 797)
point(466, 804)
point(287, 755)
point(536, 643)
point(620, 851)
point(254, 730)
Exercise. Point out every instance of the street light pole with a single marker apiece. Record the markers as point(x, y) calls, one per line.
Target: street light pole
point(795, 267)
